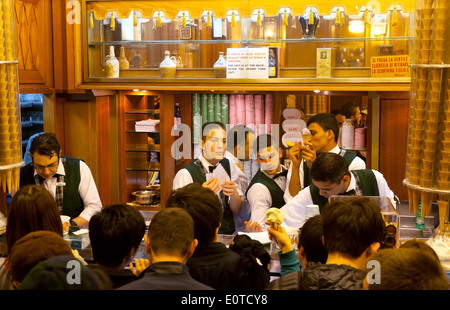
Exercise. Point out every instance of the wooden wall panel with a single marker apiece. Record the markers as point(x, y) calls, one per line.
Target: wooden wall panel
point(34, 43)
point(394, 115)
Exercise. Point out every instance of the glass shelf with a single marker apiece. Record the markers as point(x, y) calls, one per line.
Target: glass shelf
point(145, 111)
point(152, 132)
point(137, 44)
point(142, 148)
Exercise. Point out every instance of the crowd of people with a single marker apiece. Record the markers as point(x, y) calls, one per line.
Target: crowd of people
point(213, 196)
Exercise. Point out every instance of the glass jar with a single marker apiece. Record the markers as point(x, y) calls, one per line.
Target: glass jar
point(220, 67)
point(167, 67)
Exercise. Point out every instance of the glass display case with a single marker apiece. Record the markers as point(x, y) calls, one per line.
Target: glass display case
point(195, 33)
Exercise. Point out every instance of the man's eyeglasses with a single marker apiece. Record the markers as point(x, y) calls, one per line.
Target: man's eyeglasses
point(50, 167)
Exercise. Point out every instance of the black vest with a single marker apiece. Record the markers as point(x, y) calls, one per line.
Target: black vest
point(276, 193)
point(198, 176)
point(348, 156)
point(72, 203)
point(365, 180)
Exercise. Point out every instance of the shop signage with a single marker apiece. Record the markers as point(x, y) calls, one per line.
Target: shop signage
point(248, 63)
point(390, 66)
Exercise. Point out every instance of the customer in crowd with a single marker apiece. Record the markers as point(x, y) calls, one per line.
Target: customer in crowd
point(202, 170)
point(330, 176)
point(116, 234)
point(405, 269)
point(267, 187)
point(310, 246)
point(240, 141)
point(32, 249)
point(58, 273)
point(352, 232)
point(169, 243)
point(212, 263)
point(32, 208)
point(68, 179)
point(418, 244)
point(324, 130)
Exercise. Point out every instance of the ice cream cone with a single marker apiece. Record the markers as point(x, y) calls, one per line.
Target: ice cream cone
point(426, 202)
point(415, 199)
point(443, 208)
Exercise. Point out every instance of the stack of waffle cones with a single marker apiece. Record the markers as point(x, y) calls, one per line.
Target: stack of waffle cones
point(10, 126)
point(428, 160)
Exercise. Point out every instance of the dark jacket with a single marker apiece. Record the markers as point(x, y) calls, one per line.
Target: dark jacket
point(118, 277)
point(319, 276)
point(165, 276)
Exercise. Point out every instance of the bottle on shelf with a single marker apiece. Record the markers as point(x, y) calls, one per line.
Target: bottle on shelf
point(420, 223)
point(272, 64)
point(123, 61)
point(136, 60)
point(167, 67)
point(112, 64)
point(177, 116)
point(220, 67)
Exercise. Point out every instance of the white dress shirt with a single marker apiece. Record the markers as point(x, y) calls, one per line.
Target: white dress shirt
point(87, 189)
point(183, 177)
point(356, 164)
point(260, 199)
point(294, 211)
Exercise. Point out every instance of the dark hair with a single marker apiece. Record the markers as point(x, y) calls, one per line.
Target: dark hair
point(113, 232)
point(211, 126)
point(171, 231)
point(349, 110)
point(417, 244)
point(310, 238)
point(326, 122)
point(351, 225)
point(203, 205)
point(329, 167)
point(32, 208)
point(45, 144)
point(264, 141)
point(237, 136)
point(408, 269)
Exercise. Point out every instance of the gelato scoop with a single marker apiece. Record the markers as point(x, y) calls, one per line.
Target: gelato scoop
point(306, 135)
point(275, 217)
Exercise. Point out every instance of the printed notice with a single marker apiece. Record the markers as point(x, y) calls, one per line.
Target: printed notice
point(248, 63)
point(390, 66)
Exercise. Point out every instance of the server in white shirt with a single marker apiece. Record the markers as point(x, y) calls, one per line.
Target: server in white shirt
point(240, 140)
point(267, 187)
point(213, 145)
point(324, 129)
point(330, 176)
point(68, 179)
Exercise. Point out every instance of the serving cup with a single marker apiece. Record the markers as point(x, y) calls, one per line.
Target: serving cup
point(446, 125)
point(418, 133)
point(414, 171)
point(422, 83)
point(433, 105)
point(425, 44)
point(425, 13)
point(414, 180)
point(446, 135)
point(439, 34)
point(445, 145)
point(447, 115)
point(438, 44)
point(444, 155)
point(419, 123)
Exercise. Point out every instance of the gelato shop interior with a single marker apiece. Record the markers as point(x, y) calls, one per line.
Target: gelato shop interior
point(127, 85)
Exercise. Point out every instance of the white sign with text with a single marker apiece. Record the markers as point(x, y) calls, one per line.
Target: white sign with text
point(248, 63)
